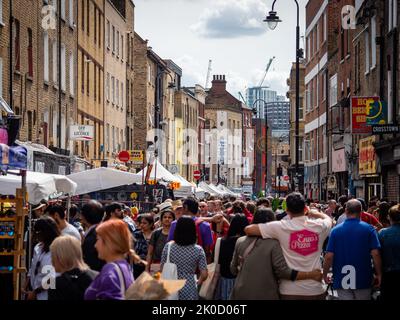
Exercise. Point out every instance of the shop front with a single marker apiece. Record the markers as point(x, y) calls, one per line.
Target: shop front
point(388, 152)
point(368, 169)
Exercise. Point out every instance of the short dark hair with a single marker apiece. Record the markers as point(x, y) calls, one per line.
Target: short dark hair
point(251, 207)
point(363, 204)
point(93, 212)
point(73, 210)
point(263, 215)
point(342, 200)
point(192, 205)
point(112, 207)
point(48, 230)
point(262, 201)
point(57, 209)
point(185, 231)
point(148, 217)
point(295, 203)
point(238, 223)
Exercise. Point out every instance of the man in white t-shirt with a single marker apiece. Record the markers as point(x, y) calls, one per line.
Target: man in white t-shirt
point(301, 238)
point(58, 214)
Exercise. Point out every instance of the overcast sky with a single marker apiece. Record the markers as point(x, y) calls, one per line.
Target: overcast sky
point(229, 32)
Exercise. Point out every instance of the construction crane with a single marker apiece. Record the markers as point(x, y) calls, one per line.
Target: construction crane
point(208, 74)
point(266, 72)
point(241, 96)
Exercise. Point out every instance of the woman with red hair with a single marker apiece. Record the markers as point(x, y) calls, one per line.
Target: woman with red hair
point(114, 246)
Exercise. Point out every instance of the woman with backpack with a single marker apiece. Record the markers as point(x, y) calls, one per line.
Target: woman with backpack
point(113, 246)
point(158, 240)
point(75, 275)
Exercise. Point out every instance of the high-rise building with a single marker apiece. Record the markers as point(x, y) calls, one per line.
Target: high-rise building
point(255, 97)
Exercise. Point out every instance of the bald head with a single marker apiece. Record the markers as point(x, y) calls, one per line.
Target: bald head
point(353, 208)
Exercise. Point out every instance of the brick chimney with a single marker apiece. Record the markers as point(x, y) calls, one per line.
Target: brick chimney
point(218, 84)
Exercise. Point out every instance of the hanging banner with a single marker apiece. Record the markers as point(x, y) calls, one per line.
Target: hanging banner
point(13, 157)
point(367, 112)
point(367, 156)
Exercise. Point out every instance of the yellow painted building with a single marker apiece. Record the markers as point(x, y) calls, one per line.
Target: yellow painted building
point(90, 69)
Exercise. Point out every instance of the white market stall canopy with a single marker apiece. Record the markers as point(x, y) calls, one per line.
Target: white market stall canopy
point(159, 173)
point(186, 190)
point(39, 185)
point(102, 179)
point(226, 190)
point(207, 188)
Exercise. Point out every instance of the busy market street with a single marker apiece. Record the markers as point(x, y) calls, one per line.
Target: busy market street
point(212, 151)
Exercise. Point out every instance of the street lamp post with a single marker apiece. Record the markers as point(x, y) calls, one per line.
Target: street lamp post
point(266, 138)
point(272, 19)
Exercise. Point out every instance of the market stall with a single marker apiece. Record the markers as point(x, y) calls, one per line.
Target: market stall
point(186, 188)
point(102, 179)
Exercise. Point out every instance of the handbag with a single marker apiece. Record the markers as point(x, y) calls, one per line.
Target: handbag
point(208, 287)
point(170, 272)
point(246, 253)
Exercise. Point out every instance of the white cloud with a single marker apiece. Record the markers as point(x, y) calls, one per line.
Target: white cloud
point(232, 19)
point(193, 71)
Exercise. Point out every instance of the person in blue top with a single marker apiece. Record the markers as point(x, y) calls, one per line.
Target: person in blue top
point(350, 248)
point(390, 242)
point(203, 229)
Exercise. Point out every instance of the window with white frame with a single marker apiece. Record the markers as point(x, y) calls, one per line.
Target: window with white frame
point(122, 46)
point(317, 29)
point(63, 68)
point(122, 94)
point(392, 14)
point(333, 90)
point(108, 86)
point(367, 50)
point(118, 44)
point(113, 138)
point(55, 62)
point(71, 13)
point(308, 49)
point(108, 34)
point(46, 55)
point(325, 27)
point(62, 9)
point(108, 138)
point(113, 89)
point(373, 41)
point(1, 12)
point(117, 92)
point(301, 142)
point(312, 148)
point(71, 74)
point(113, 39)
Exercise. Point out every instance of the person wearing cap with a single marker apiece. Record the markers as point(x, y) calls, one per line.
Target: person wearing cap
point(177, 207)
point(38, 210)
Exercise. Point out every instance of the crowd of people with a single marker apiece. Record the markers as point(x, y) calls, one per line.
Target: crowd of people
point(270, 249)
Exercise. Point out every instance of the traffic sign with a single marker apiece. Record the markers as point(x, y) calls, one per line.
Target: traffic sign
point(124, 156)
point(197, 174)
point(286, 178)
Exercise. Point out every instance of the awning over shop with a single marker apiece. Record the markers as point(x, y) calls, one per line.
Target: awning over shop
point(39, 185)
point(102, 179)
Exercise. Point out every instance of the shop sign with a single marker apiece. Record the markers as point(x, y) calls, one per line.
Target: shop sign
point(366, 112)
point(136, 157)
point(81, 133)
point(367, 156)
point(385, 128)
point(338, 161)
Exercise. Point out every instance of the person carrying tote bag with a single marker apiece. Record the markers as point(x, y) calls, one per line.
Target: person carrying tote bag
point(209, 286)
point(170, 272)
